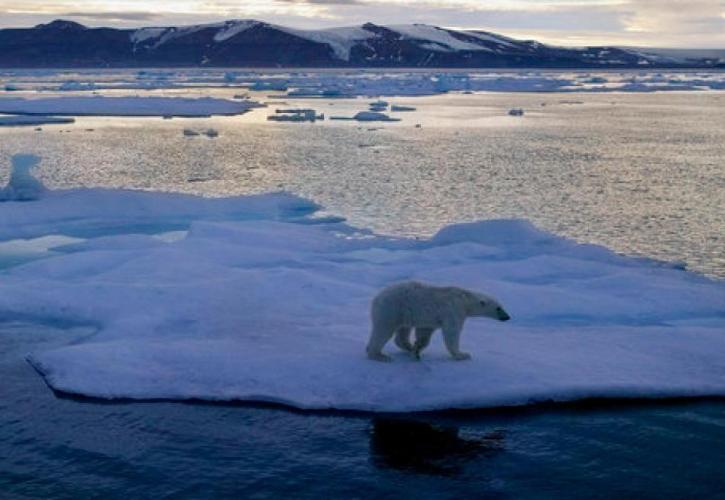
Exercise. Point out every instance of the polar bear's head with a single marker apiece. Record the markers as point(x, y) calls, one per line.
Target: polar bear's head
point(486, 306)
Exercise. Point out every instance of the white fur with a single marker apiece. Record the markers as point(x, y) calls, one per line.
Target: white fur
point(404, 306)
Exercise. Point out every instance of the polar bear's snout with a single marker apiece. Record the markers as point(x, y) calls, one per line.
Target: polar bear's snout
point(502, 315)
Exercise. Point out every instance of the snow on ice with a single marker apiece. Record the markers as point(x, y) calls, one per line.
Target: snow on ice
point(260, 300)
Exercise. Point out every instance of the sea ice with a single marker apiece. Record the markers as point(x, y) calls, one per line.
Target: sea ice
point(296, 115)
point(262, 301)
point(397, 108)
point(124, 106)
point(368, 116)
point(31, 120)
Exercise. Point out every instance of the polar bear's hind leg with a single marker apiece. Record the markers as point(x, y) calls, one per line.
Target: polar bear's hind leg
point(422, 339)
point(402, 339)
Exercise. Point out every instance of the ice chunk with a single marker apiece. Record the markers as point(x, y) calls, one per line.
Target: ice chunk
point(269, 85)
point(398, 108)
point(210, 133)
point(296, 115)
point(22, 186)
point(73, 85)
point(368, 116)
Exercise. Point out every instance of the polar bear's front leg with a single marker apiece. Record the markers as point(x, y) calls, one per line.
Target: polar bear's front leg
point(422, 339)
point(451, 337)
point(378, 338)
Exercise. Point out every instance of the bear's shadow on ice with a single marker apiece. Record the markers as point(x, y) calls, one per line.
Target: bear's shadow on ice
point(420, 447)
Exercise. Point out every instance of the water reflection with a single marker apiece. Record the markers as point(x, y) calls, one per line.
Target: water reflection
point(418, 446)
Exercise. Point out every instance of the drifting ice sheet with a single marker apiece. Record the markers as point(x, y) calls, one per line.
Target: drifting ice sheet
point(124, 106)
point(275, 308)
point(26, 121)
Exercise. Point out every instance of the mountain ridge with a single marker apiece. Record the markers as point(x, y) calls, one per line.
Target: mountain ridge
point(252, 43)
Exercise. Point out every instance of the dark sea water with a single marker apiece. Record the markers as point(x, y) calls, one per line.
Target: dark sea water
point(639, 174)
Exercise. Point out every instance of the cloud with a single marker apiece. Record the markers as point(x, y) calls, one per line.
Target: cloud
point(675, 16)
point(323, 2)
point(113, 16)
point(665, 23)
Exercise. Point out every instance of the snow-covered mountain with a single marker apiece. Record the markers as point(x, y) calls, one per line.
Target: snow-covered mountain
point(259, 44)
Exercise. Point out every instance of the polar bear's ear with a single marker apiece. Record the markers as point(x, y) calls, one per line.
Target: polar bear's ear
point(483, 303)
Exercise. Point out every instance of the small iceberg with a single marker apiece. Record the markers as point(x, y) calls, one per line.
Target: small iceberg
point(22, 186)
point(270, 85)
point(211, 133)
point(399, 109)
point(74, 85)
point(368, 116)
point(378, 106)
point(296, 115)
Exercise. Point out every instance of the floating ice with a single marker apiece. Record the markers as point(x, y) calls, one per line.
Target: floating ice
point(74, 85)
point(399, 108)
point(368, 116)
point(210, 133)
point(262, 301)
point(269, 85)
point(22, 186)
point(124, 106)
point(26, 120)
point(332, 83)
point(296, 115)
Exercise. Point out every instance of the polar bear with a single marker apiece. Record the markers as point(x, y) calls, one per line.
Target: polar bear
point(403, 306)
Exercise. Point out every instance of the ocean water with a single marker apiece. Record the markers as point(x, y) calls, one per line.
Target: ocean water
point(642, 174)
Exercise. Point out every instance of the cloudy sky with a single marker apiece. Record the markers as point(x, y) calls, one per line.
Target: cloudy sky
point(662, 23)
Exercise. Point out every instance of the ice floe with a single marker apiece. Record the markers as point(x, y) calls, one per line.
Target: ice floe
point(260, 300)
point(31, 120)
point(124, 106)
point(367, 116)
point(296, 115)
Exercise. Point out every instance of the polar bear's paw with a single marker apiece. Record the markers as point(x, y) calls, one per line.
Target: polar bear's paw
point(379, 356)
point(461, 356)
